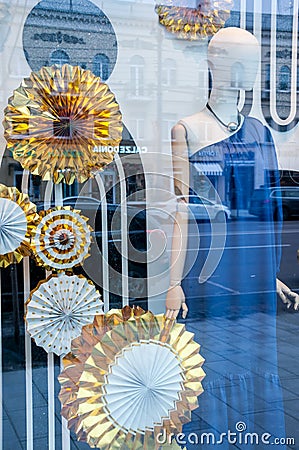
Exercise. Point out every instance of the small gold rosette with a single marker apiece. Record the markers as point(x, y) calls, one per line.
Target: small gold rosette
point(194, 23)
point(61, 239)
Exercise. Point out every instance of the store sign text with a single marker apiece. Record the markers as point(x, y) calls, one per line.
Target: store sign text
point(58, 37)
point(120, 149)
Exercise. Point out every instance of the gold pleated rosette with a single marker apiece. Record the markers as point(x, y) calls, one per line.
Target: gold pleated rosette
point(194, 23)
point(128, 377)
point(56, 118)
point(18, 218)
point(58, 308)
point(61, 239)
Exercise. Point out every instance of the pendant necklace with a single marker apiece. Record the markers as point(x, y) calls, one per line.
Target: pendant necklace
point(231, 126)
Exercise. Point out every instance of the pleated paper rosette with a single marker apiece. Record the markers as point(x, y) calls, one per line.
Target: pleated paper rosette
point(128, 377)
point(191, 23)
point(17, 220)
point(56, 118)
point(61, 239)
point(58, 308)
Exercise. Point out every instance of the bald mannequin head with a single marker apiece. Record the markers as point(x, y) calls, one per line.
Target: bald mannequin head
point(233, 57)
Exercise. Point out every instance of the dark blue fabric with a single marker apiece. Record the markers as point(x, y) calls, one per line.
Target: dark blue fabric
point(235, 310)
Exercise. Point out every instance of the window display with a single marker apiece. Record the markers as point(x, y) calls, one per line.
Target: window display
point(148, 224)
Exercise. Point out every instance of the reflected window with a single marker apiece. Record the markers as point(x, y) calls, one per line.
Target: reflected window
point(100, 66)
point(59, 57)
point(169, 121)
point(267, 77)
point(169, 71)
point(137, 75)
point(137, 128)
point(285, 78)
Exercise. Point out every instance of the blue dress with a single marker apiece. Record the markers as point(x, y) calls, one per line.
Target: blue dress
point(233, 313)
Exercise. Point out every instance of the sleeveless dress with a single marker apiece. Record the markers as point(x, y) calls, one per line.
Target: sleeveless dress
point(233, 313)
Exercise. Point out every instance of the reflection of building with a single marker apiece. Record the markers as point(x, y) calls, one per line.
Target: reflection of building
point(157, 79)
point(77, 33)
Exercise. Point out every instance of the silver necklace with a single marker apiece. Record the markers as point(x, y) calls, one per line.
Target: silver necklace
point(231, 126)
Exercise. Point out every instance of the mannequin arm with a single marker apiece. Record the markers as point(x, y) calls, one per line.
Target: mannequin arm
point(175, 298)
point(287, 296)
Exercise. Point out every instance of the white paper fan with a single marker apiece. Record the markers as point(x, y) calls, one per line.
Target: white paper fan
point(58, 308)
point(13, 226)
point(143, 386)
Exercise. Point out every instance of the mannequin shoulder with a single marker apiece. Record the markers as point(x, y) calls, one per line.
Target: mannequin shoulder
point(196, 122)
point(202, 130)
point(192, 129)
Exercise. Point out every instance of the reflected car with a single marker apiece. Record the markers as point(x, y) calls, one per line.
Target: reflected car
point(286, 196)
point(203, 209)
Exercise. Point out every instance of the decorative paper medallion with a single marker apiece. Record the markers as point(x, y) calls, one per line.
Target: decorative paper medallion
point(130, 376)
point(17, 220)
point(55, 119)
point(58, 308)
point(193, 23)
point(61, 239)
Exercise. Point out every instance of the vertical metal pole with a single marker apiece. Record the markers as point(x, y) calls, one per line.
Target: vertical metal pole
point(28, 352)
point(51, 373)
point(124, 231)
point(105, 261)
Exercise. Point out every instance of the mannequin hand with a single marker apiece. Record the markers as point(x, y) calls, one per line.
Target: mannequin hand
point(287, 296)
point(175, 300)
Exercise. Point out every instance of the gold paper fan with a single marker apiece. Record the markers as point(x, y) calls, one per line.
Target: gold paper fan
point(194, 23)
point(17, 221)
point(61, 239)
point(55, 119)
point(128, 377)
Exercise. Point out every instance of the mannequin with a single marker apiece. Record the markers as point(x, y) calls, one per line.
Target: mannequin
point(238, 302)
point(232, 69)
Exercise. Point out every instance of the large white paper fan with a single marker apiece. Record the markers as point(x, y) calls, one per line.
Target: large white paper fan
point(58, 308)
point(143, 386)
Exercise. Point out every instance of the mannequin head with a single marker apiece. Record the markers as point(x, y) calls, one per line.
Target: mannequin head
point(233, 57)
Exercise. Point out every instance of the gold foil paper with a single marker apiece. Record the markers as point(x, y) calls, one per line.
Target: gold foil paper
point(194, 23)
point(100, 380)
point(55, 119)
point(61, 239)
